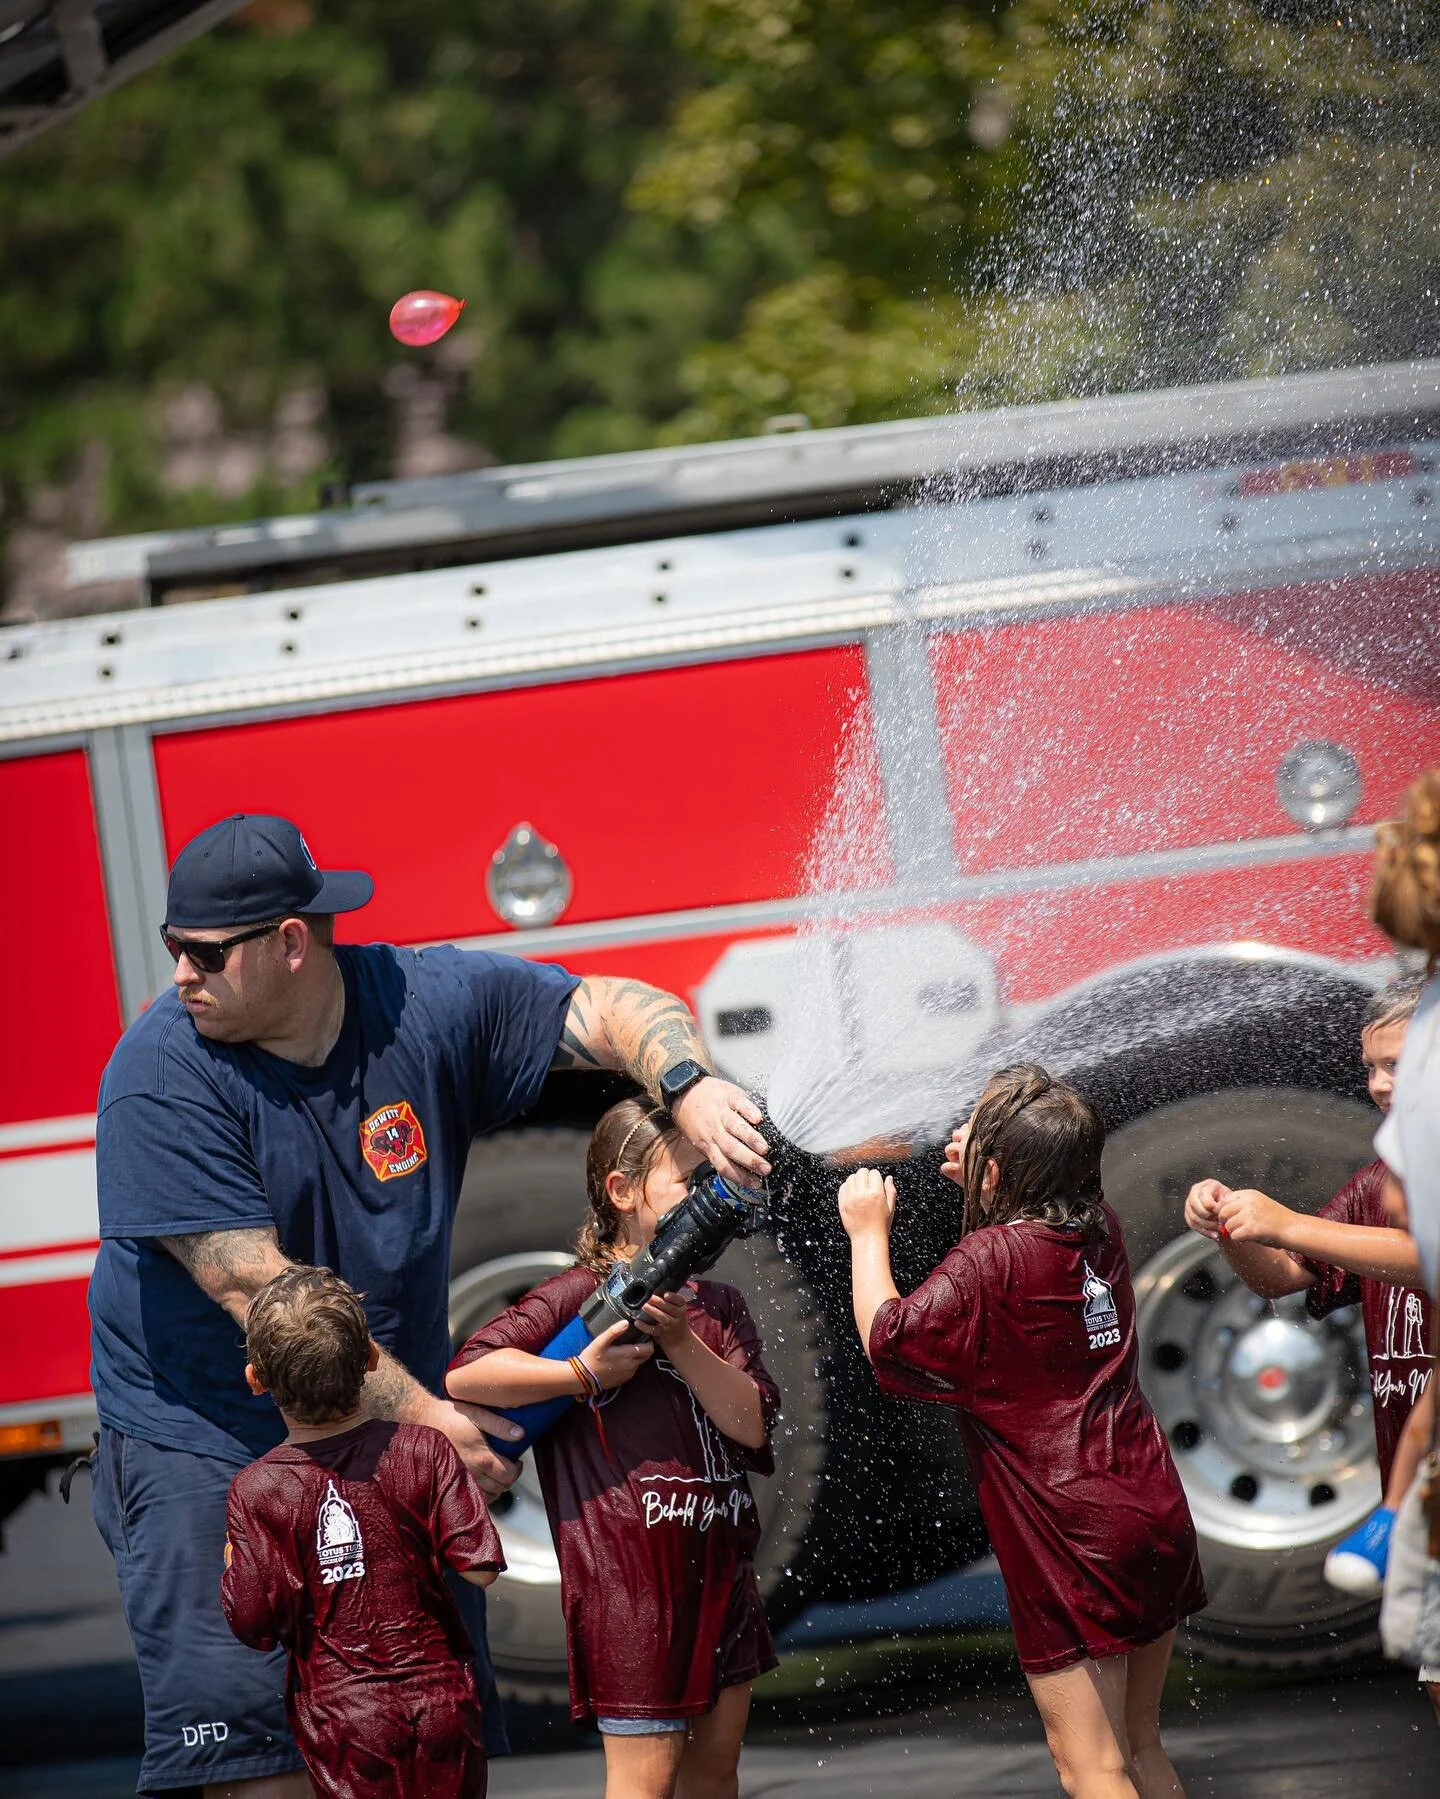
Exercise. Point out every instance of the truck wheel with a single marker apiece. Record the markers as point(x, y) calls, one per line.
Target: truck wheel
point(522, 1202)
point(1267, 1411)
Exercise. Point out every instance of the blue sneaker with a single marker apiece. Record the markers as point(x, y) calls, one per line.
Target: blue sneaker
point(1357, 1563)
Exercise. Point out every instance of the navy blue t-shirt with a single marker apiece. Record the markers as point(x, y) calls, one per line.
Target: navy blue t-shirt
point(357, 1164)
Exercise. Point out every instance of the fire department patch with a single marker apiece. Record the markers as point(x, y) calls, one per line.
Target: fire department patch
point(392, 1141)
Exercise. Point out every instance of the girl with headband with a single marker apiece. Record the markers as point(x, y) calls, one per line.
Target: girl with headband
point(645, 1481)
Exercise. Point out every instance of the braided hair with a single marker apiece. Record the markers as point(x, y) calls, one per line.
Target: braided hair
point(1046, 1140)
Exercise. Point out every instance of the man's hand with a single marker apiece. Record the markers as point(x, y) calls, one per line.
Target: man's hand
point(641, 1031)
point(867, 1202)
point(1202, 1208)
point(613, 1362)
point(719, 1119)
point(465, 1426)
point(1249, 1216)
point(666, 1318)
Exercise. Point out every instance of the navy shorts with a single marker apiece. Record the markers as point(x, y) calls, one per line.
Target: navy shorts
point(214, 1710)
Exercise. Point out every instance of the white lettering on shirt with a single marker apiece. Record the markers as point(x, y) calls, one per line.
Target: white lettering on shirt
point(1405, 1387)
point(693, 1510)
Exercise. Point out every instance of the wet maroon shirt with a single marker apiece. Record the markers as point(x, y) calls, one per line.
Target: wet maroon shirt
point(654, 1523)
point(338, 1551)
point(1029, 1332)
point(1397, 1319)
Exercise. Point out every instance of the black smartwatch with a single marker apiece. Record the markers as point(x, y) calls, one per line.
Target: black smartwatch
point(677, 1081)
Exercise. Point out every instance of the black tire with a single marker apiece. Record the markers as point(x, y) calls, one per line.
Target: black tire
point(522, 1202)
point(1269, 1603)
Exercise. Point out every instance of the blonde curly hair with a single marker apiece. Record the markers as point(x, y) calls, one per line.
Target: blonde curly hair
point(1405, 894)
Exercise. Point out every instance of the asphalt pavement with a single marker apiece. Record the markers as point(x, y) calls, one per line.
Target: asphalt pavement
point(922, 1718)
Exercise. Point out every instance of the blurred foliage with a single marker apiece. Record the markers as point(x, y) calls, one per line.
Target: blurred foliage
point(243, 216)
point(673, 219)
point(1057, 198)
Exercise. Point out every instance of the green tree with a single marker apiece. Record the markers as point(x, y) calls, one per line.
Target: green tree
point(229, 231)
point(1055, 199)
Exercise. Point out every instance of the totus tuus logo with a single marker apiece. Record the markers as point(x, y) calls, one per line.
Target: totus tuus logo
point(337, 1539)
point(1102, 1321)
point(392, 1141)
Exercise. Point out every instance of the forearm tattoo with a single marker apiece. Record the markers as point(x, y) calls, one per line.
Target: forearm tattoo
point(636, 1030)
point(230, 1266)
point(390, 1390)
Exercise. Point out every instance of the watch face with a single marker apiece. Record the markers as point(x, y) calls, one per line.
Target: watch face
point(677, 1081)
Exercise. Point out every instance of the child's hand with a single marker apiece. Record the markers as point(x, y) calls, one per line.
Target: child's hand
point(1248, 1216)
point(613, 1362)
point(954, 1165)
point(1202, 1208)
point(867, 1202)
point(666, 1318)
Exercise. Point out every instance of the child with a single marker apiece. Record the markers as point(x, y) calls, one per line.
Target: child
point(651, 1512)
point(1348, 1254)
point(339, 1542)
point(1027, 1328)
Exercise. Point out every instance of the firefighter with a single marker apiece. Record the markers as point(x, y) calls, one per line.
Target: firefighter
point(293, 1101)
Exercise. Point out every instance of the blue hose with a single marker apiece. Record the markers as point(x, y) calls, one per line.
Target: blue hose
point(537, 1417)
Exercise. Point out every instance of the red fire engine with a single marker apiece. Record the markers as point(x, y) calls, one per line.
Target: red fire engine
point(1059, 730)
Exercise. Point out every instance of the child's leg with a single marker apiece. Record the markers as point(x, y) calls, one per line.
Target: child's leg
point(642, 1767)
point(1416, 1436)
point(1145, 1679)
point(1083, 1711)
point(710, 1766)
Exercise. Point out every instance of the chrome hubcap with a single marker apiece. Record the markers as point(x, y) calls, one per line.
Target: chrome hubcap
point(1267, 1410)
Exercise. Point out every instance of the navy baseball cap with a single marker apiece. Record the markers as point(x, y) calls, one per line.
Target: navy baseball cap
point(249, 869)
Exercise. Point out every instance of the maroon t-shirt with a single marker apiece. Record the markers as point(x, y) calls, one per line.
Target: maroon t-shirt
point(1397, 1319)
point(653, 1520)
point(1029, 1332)
point(338, 1551)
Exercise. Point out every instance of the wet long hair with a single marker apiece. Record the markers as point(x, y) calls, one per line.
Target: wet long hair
point(627, 1141)
point(1405, 896)
point(1046, 1139)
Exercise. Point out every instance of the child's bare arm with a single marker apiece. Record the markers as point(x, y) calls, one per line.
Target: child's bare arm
point(867, 1207)
point(515, 1377)
point(479, 1577)
point(728, 1396)
point(1265, 1268)
point(1374, 1252)
point(1413, 1447)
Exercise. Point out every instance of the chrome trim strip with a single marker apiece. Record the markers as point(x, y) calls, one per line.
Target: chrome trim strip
point(646, 485)
point(911, 753)
point(132, 856)
point(761, 915)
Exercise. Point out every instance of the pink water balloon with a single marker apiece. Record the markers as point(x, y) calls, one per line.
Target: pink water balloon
point(423, 317)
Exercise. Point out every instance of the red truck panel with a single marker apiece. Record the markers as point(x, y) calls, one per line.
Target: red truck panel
point(44, 1342)
point(681, 787)
point(61, 1005)
point(1117, 733)
point(1046, 942)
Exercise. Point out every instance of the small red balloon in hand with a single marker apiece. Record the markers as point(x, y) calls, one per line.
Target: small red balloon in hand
point(423, 317)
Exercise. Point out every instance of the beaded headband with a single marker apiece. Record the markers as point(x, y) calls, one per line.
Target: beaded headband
point(644, 1118)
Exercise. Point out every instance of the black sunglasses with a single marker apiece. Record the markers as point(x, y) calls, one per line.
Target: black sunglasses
point(209, 958)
